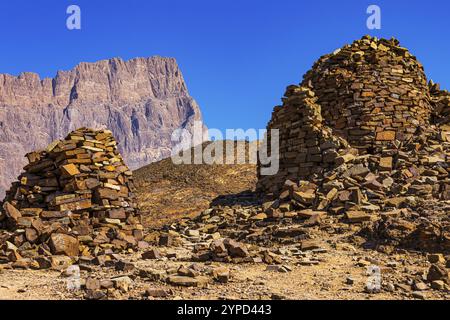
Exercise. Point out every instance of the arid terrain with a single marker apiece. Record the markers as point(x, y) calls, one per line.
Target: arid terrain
point(167, 192)
point(359, 208)
point(334, 267)
point(339, 271)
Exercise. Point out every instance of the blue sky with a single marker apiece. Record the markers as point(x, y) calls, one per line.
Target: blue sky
point(236, 56)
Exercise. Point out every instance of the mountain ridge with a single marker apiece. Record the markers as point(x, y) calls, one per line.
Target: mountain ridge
point(142, 100)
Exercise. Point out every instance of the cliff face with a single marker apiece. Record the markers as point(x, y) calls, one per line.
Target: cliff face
point(142, 101)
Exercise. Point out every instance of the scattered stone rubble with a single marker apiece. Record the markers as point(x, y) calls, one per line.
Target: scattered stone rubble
point(73, 199)
point(193, 275)
point(239, 232)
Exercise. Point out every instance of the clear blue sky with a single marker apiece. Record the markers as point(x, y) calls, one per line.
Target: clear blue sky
point(237, 56)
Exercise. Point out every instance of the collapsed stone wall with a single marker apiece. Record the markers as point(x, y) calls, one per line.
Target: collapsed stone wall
point(441, 102)
point(363, 126)
point(73, 198)
point(307, 147)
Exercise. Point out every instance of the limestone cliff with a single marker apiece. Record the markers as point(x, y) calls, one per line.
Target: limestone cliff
point(141, 100)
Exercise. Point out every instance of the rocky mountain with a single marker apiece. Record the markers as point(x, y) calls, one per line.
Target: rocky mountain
point(142, 101)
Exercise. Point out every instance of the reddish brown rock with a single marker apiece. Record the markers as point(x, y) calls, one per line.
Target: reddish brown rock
point(151, 254)
point(11, 212)
point(63, 244)
point(385, 136)
point(236, 249)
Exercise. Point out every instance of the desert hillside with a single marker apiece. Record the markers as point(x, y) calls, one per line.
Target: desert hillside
point(166, 192)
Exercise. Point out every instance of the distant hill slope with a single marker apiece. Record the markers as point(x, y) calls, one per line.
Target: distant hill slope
point(167, 192)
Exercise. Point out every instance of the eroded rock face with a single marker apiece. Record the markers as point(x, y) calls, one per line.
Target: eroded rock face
point(142, 101)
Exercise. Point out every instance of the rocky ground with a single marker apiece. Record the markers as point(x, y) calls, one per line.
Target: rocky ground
point(331, 266)
point(285, 253)
point(233, 244)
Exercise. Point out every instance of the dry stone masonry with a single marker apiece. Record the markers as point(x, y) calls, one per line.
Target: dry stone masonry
point(73, 198)
point(364, 134)
point(371, 92)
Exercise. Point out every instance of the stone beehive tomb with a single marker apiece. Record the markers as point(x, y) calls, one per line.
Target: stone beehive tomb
point(362, 128)
point(371, 92)
point(74, 197)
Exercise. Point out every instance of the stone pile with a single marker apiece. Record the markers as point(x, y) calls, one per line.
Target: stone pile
point(370, 98)
point(426, 228)
point(192, 275)
point(223, 250)
point(364, 136)
point(243, 223)
point(74, 198)
point(195, 275)
point(371, 92)
point(441, 101)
